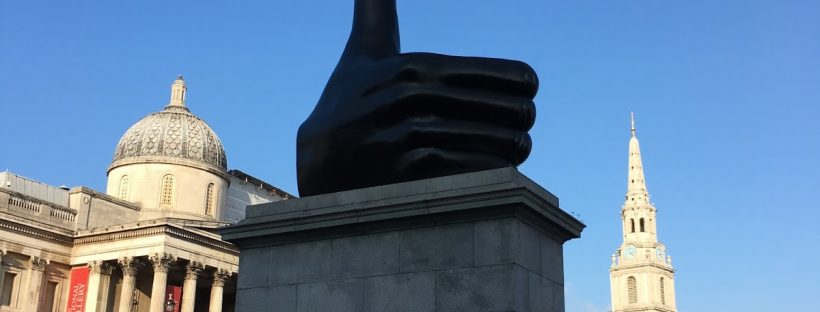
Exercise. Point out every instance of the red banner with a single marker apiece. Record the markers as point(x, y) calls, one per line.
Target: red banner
point(78, 286)
point(173, 296)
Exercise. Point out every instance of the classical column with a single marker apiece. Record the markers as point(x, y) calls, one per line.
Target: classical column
point(220, 276)
point(189, 288)
point(98, 280)
point(130, 268)
point(161, 262)
point(36, 270)
point(3, 252)
point(105, 288)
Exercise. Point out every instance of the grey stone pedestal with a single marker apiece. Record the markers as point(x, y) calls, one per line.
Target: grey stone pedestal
point(483, 241)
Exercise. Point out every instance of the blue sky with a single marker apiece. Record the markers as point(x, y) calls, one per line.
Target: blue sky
point(726, 96)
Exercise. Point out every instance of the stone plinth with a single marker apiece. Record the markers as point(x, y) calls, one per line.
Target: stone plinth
point(483, 241)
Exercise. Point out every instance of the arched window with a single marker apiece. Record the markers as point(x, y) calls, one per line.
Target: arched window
point(167, 196)
point(642, 227)
point(210, 199)
point(632, 289)
point(123, 188)
point(663, 293)
point(633, 224)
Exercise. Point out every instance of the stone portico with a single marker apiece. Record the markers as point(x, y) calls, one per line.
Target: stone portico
point(137, 261)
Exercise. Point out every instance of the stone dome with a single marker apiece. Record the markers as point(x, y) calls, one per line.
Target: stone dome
point(172, 135)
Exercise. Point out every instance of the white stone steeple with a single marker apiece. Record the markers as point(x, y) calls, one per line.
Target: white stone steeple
point(638, 213)
point(641, 275)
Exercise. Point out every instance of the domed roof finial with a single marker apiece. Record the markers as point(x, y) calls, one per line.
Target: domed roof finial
point(178, 92)
point(632, 119)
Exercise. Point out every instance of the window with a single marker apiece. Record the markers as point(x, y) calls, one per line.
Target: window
point(663, 293)
point(50, 295)
point(642, 227)
point(633, 224)
point(8, 287)
point(167, 190)
point(632, 289)
point(124, 188)
point(210, 199)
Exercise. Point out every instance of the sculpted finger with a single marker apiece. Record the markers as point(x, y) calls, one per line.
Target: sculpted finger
point(505, 76)
point(399, 101)
point(427, 162)
point(433, 132)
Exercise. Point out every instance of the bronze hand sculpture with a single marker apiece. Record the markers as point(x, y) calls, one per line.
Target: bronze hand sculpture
point(387, 117)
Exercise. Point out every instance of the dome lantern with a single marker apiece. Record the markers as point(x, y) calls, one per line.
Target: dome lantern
point(178, 93)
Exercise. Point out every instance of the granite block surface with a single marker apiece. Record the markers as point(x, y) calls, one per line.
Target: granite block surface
point(401, 292)
point(337, 296)
point(365, 255)
point(434, 248)
point(299, 263)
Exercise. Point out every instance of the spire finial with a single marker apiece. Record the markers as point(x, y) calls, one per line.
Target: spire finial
point(636, 185)
point(178, 92)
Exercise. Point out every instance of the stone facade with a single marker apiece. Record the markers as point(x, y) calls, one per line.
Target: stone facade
point(154, 230)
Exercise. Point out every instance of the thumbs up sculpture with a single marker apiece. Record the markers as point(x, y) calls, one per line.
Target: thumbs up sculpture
point(387, 117)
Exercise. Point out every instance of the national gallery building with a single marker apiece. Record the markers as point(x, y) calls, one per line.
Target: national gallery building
point(149, 243)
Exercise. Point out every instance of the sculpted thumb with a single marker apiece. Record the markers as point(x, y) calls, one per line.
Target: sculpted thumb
point(375, 32)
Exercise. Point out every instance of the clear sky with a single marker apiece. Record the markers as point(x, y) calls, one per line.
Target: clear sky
point(726, 96)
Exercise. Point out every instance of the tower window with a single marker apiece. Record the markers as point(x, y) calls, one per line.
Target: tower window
point(210, 199)
point(632, 289)
point(633, 224)
point(663, 294)
point(123, 194)
point(642, 225)
point(167, 190)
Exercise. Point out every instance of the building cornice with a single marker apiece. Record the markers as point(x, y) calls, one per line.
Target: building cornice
point(18, 227)
point(646, 309)
point(169, 160)
point(642, 265)
point(161, 228)
point(104, 196)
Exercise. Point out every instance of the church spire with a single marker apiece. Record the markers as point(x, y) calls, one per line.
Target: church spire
point(641, 274)
point(636, 185)
point(178, 93)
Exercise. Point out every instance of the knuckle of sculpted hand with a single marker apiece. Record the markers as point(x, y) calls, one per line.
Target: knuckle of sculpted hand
point(410, 63)
point(408, 71)
point(524, 146)
point(528, 112)
point(531, 77)
point(405, 93)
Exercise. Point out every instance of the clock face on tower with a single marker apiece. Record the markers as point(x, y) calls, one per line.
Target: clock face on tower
point(630, 252)
point(660, 253)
